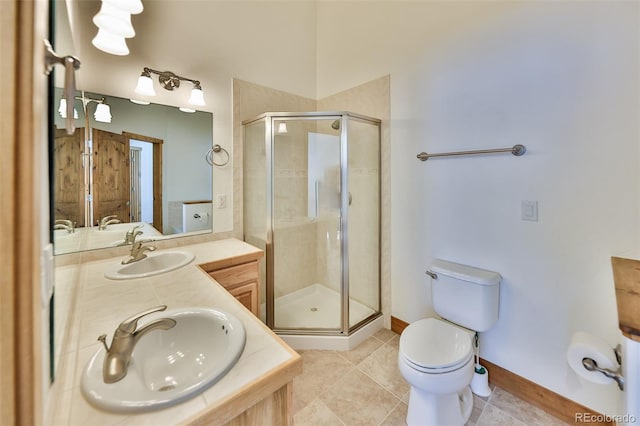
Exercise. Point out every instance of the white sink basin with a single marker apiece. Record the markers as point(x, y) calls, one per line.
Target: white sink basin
point(154, 264)
point(168, 367)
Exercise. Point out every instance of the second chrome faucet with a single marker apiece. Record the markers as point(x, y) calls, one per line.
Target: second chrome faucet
point(125, 338)
point(137, 249)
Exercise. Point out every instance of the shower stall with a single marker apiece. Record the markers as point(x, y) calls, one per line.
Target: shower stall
point(312, 203)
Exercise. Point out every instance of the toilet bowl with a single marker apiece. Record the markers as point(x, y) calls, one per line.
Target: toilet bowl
point(436, 356)
point(436, 359)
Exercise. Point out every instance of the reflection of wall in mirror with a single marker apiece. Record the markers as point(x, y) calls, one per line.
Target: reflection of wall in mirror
point(187, 138)
point(190, 216)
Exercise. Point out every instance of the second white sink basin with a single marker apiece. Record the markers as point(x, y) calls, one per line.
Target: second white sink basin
point(169, 366)
point(154, 264)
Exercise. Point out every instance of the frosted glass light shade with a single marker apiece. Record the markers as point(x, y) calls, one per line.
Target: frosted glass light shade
point(197, 97)
point(114, 20)
point(145, 86)
point(282, 128)
point(103, 113)
point(110, 43)
point(131, 6)
point(62, 109)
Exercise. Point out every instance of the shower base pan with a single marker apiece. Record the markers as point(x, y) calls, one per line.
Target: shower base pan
point(316, 307)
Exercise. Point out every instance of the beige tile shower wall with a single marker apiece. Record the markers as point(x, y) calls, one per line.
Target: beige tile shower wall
point(250, 100)
point(291, 172)
point(373, 99)
point(293, 236)
point(294, 255)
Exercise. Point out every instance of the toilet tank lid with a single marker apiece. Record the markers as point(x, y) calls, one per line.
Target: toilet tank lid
point(465, 273)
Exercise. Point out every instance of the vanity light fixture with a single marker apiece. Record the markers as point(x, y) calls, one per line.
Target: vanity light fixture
point(102, 113)
point(62, 109)
point(282, 128)
point(114, 25)
point(168, 81)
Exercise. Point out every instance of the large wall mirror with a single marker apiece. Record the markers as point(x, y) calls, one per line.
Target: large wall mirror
point(133, 165)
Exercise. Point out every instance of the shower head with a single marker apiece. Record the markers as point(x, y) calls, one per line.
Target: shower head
point(335, 125)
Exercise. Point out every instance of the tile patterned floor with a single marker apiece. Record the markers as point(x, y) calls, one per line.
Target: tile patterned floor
point(364, 387)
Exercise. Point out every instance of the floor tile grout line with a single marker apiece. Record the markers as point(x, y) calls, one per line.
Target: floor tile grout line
point(389, 413)
point(379, 384)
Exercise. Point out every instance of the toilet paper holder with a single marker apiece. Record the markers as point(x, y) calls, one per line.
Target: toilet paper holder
point(591, 365)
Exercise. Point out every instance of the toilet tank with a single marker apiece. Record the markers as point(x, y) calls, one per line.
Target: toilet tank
point(465, 295)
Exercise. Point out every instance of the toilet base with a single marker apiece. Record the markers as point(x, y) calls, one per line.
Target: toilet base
point(429, 409)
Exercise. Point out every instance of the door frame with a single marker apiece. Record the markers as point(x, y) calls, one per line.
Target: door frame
point(157, 174)
point(24, 223)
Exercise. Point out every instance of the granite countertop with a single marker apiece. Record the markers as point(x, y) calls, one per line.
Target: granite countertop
point(101, 304)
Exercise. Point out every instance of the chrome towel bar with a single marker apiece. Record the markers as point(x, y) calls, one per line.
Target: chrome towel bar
point(516, 150)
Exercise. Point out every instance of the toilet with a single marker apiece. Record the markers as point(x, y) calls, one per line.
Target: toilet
point(436, 355)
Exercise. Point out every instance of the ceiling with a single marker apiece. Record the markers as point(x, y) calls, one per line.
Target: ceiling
point(271, 43)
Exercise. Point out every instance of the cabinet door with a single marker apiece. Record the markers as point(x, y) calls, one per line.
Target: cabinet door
point(247, 294)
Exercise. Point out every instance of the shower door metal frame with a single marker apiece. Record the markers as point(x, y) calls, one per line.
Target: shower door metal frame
point(269, 140)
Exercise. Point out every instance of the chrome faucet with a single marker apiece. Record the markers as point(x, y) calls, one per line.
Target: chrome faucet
point(130, 236)
point(125, 338)
point(107, 220)
point(137, 251)
point(65, 224)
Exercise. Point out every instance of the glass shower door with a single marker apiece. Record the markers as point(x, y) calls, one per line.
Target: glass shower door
point(363, 179)
point(306, 224)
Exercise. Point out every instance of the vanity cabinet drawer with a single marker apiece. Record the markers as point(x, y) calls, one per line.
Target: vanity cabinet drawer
point(235, 275)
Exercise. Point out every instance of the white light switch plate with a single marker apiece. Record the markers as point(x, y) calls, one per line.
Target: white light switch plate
point(530, 210)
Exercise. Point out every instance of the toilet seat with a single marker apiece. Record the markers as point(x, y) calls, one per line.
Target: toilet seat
point(434, 346)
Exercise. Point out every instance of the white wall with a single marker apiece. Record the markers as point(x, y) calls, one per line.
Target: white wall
point(560, 78)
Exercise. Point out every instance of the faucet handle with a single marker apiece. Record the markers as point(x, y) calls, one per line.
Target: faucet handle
point(130, 236)
point(130, 324)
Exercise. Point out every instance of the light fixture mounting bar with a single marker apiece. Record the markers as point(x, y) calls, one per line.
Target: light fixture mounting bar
point(170, 80)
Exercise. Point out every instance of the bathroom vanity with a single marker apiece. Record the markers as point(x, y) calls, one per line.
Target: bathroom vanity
point(239, 276)
point(257, 389)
